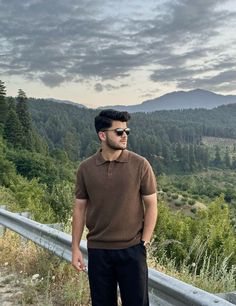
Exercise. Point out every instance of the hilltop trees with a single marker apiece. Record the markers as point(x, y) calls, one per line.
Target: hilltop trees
point(3, 104)
point(13, 131)
point(25, 121)
point(16, 125)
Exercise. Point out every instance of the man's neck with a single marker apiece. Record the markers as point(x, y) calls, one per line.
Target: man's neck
point(109, 154)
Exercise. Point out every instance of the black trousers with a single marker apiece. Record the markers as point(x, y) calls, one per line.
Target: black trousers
point(125, 267)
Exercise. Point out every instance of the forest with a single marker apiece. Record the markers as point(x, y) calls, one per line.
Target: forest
point(42, 143)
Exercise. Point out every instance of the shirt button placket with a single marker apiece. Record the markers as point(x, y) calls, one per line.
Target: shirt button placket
point(109, 171)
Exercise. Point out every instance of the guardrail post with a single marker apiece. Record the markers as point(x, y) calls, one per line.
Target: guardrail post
point(2, 228)
point(25, 214)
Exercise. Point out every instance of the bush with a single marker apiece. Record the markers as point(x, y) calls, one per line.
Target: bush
point(178, 203)
point(175, 196)
point(191, 202)
point(184, 200)
point(194, 210)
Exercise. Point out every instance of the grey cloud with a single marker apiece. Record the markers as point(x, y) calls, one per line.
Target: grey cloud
point(221, 79)
point(56, 41)
point(52, 80)
point(100, 87)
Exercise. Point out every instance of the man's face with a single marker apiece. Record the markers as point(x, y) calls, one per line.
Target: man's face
point(113, 141)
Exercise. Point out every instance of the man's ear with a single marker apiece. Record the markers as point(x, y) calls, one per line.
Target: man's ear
point(102, 136)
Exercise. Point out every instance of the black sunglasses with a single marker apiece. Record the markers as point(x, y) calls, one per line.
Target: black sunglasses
point(120, 131)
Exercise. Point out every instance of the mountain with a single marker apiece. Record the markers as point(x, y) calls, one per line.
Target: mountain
point(196, 98)
point(66, 102)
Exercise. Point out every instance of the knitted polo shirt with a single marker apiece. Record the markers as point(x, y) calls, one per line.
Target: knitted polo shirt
point(115, 211)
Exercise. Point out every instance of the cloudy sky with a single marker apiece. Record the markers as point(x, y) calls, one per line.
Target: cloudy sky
point(106, 52)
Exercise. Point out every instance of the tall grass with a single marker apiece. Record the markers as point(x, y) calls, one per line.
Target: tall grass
point(212, 274)
point(48, 280)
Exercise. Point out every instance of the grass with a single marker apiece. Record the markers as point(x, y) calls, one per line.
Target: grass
point(48, 280)
point(212, 275)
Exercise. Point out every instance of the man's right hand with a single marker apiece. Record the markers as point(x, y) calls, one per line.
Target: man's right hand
point(77, 260)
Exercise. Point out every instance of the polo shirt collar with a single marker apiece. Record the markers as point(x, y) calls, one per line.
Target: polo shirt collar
point(123, 158)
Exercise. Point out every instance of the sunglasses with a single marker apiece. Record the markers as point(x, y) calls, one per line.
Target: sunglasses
point(120, 131)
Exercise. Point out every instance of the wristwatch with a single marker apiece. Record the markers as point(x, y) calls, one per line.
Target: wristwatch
point(145, 243)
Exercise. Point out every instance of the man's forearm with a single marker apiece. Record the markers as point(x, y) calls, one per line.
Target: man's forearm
point(150, 217)
point(78, 222)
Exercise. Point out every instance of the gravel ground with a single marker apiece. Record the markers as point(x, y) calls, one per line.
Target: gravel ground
point(11, 288)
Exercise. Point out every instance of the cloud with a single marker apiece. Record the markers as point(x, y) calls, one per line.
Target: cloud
point(173, 41)
point(100, 87)
point(51, 79)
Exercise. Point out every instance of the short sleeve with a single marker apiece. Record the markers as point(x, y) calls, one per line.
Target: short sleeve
point(148, 183)
point(80, 187)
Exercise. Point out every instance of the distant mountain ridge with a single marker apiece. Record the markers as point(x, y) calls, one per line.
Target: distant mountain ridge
point(66, 102)
point(197, 98)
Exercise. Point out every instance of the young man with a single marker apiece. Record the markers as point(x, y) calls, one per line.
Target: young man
point(116, 195)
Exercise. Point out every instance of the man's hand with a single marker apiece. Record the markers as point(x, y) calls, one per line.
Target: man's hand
point(77, 260)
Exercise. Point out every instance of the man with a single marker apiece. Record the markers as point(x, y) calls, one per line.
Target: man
point(116, 195)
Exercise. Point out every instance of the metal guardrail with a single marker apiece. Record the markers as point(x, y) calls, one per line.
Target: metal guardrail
point(163, 289)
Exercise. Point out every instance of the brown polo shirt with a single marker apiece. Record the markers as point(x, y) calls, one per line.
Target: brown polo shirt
point(115, 211)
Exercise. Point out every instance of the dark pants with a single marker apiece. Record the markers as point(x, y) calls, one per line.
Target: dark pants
point(126, 267)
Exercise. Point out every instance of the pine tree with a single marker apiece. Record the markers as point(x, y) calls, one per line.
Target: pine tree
point(13, 132)
point(217, 161)
point(192, 158)
point(227, 160)
point(25, 120)
point(3, 104)
point(22, 111)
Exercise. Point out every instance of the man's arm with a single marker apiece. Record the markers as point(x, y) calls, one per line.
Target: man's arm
point(150, 217)
point(78, 222)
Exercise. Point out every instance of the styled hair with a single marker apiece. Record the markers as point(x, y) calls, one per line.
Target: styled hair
point(106, 116)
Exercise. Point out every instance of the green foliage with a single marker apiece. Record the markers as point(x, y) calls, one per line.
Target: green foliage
point(31, 196)
point(61, 200)
point(175, 233)
point(3, 105)
point(13, 131)
point(174, 196)
point(7, 169)
point(35, 165)
point(178, 203)
point(191, 202)
point(194, 210)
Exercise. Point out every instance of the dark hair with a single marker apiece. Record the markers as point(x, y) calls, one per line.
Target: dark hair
point(106, 116)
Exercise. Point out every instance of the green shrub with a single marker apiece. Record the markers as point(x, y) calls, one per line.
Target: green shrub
point(194, 210)
point(175, 196)
point(191, 202)
point(178, 203)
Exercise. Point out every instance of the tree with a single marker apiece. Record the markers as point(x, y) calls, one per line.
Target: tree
point(217, 161)
point(227, 160)
point(13, 132)
point(25, 120)
point(3, 104)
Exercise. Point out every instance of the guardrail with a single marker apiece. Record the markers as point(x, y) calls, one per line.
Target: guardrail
point(164, 290)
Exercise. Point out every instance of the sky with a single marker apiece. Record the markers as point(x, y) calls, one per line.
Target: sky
point(109, 52)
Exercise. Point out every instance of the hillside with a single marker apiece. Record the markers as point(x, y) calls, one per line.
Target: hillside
point(174, 135)
point(197, 98)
